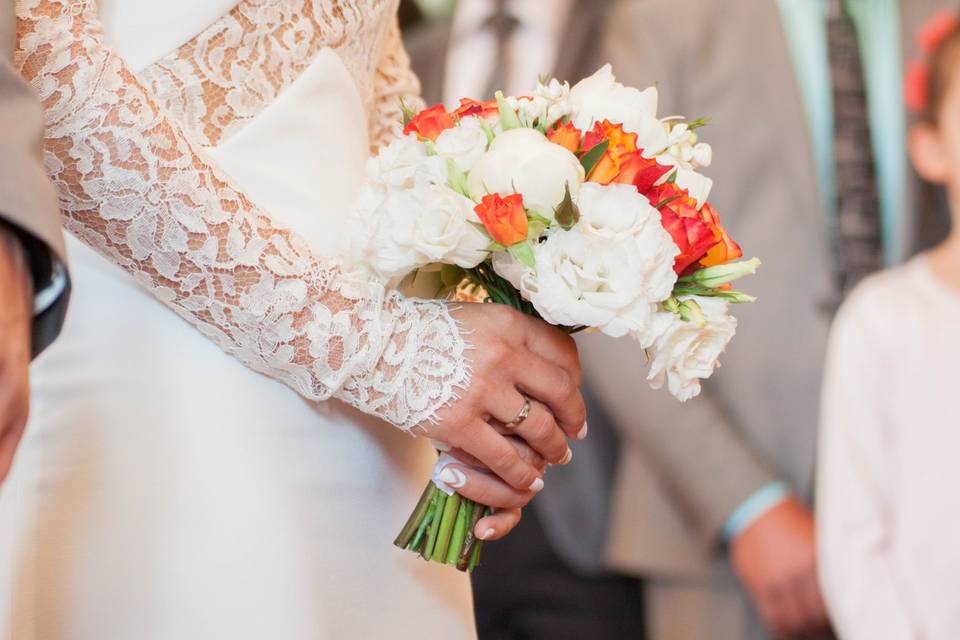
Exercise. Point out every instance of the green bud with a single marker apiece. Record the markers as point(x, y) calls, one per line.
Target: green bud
point(690, 311)
point(720, 275)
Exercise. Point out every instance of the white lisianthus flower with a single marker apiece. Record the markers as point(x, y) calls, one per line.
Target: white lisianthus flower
point(608, 272)
point(524, 161)
point(684, 353)
point(405, 163)
point(687, 155)
point(464, 144)
point(600, 97)
point(395, 232)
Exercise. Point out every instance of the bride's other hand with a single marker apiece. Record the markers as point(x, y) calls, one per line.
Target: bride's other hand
point(514, 358)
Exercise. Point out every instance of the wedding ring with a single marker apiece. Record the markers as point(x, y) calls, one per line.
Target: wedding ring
point(522, 415)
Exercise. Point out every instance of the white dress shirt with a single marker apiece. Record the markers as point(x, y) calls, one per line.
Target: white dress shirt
point(889, 468)
point(532, 49)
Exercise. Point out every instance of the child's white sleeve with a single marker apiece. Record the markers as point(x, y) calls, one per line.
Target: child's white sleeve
point(855, 513)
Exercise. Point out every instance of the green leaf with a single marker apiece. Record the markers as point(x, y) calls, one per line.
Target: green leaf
point(696, 124)
point(508, 117)
point(408, 113)
point(666, 201)
point(593, 156)
point(535, 228)
point(496, 247)
point(457, 179)
point(673, 177)
point(523, 252)
point(567, 212)
point(533, 216)
point(488, 131)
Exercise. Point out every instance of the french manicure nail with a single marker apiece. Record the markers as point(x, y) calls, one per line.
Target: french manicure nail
point(453, 478)
point(486, 535)
point(537, 485)
point(567, 458)
point(583, 432)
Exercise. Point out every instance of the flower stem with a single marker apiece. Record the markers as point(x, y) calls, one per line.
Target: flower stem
point(441, 500)
point(459, 531)
point(446, 528)
point(413, 523)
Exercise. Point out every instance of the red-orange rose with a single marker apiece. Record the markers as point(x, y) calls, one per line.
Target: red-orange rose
point(702, 241)
point(430, 123)
point(567, 136)
point(726, 250)
point(471, 107)
point(504, 218)
point(621, 146)
point(641, 172)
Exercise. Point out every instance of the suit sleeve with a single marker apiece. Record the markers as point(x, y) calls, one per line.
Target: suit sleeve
point(696, 448)
point(854, 508)
point(28, 202)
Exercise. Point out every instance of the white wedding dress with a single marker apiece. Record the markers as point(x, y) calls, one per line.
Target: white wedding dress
point(165, 490)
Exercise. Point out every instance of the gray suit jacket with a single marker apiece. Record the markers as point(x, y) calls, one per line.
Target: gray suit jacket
point(574, 506)
point(28, 202)
point(685, 468)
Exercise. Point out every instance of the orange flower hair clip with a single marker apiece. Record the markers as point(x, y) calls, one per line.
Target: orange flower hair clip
point(929, 38)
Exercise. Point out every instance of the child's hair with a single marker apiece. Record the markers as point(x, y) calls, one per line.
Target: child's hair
point(930, 76)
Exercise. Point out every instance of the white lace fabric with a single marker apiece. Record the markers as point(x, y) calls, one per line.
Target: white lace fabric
point(135, 185)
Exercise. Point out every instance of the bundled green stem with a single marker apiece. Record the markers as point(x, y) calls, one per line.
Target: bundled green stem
point(441, 529)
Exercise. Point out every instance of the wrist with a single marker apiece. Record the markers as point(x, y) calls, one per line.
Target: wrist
point(753, 508)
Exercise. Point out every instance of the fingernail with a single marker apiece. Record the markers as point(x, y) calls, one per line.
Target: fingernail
point(583, 432)
point(453, 478)
point(486, 535)
point(537, 485)
point(567, 458)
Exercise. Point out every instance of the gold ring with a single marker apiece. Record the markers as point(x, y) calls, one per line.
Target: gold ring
point(522, 415)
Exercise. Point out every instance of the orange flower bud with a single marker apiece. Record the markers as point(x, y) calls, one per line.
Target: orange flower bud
point(567, 136)
point(430, 123)
point(504, 218)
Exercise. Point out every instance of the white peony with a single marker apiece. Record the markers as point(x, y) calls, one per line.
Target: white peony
point(405, 163)
point(608, 272)
point(684, 353)
point(600, 97)
point(524, 161)
point(464, 144)
point(395, 232)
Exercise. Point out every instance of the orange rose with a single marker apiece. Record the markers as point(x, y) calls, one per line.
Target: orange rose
point(566, 135)
point(621, 145)
point(641, 172)
point(726, 250)
point(504, 218)
point(430, 123)
point(471, 107)
point(702, 241)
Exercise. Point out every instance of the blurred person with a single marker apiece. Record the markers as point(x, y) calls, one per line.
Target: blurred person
point(889, 443)
point(712, 499)
point(221, 443)
point(33, 283)
point(548, 579)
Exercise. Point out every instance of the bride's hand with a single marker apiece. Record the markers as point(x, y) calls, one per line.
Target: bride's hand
point(472, 481)
point(514, 358)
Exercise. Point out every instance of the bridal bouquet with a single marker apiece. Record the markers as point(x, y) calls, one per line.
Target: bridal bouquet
point(575, 205)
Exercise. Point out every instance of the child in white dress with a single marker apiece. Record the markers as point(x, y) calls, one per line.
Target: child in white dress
point(889, 476)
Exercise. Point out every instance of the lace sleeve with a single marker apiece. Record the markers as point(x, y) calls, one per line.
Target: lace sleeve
point(394, 81)
point(136, 189)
